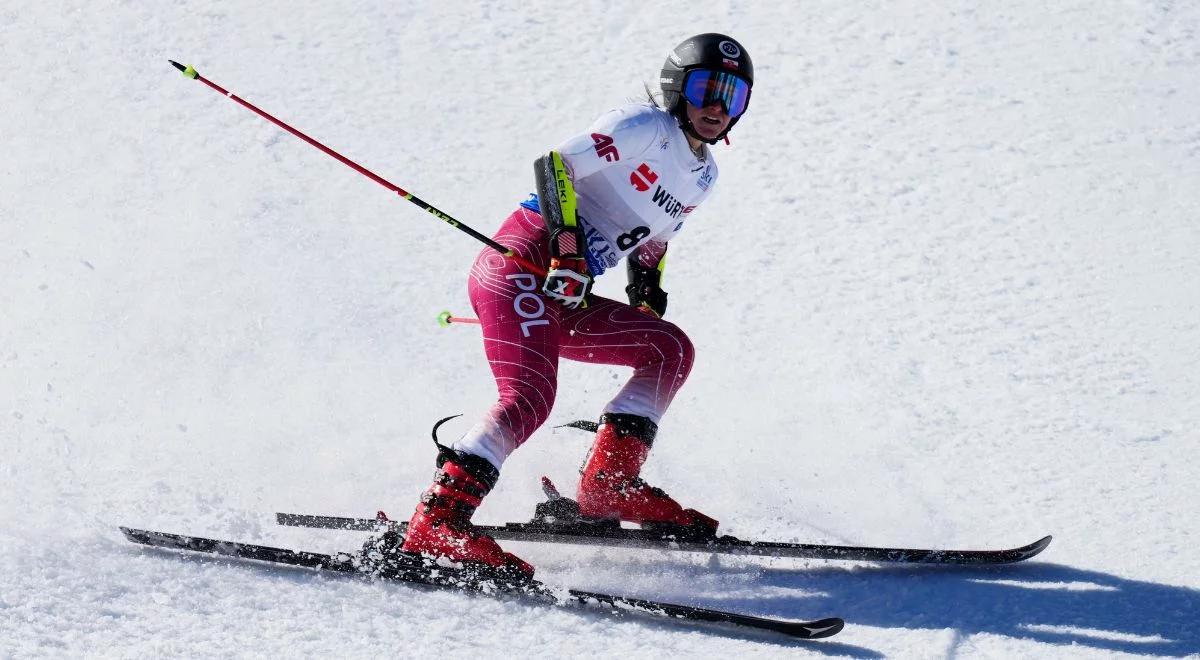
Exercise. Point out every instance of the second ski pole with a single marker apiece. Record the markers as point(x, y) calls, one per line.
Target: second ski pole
point(189, 72)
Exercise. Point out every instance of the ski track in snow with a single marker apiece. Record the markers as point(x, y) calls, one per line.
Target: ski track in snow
point(946, 294)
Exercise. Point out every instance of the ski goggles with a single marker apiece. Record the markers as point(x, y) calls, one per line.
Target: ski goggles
point(703, 87)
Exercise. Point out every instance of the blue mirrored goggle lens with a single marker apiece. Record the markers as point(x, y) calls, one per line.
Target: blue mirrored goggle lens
point(703, 88)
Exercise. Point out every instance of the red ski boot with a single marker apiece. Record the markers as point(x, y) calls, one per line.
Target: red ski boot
point(441, 525)
point(611, 489)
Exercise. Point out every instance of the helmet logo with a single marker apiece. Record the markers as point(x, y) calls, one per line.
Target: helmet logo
point(675, 59)
point(730, 49)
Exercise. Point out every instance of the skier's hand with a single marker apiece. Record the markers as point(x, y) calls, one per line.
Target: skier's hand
point(647, 298)
point(568, 282)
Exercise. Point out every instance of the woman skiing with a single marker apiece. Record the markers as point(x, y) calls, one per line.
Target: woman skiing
point(624, 188)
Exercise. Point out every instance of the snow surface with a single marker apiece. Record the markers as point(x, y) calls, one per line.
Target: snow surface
point(979, 220)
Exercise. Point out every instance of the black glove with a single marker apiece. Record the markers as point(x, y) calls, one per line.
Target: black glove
point(643, 290)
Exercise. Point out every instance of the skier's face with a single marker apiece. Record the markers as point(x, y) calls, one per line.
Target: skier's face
point(709, 121)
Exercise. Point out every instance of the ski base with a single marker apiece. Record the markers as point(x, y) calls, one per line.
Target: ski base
point(415, 569)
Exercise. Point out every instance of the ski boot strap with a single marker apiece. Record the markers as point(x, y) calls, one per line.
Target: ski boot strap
point(469, 466)
point(631, 426)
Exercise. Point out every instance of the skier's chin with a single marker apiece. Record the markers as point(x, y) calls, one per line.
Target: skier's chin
point(706, 130)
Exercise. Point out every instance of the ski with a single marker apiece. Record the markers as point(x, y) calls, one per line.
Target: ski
point(414, 569)
point(563, 528)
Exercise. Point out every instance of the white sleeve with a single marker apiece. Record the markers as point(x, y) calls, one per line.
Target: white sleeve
point(620, 134)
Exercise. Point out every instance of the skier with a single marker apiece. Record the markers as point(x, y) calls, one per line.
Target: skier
point(624, 188)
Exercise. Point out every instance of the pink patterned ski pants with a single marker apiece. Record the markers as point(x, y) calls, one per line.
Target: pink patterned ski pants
point(524, 334)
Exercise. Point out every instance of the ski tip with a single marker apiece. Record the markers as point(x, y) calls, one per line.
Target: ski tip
point(1040, 544)
point(134, 535)
point(820, 629)
point(1025, 552)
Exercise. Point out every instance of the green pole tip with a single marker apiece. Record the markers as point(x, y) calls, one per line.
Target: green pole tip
point(187, 71)
point(444, 319)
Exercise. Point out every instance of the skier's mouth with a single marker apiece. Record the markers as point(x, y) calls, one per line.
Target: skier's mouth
point(711, 121)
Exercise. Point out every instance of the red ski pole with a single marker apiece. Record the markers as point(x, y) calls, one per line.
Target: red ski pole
point(189, 72)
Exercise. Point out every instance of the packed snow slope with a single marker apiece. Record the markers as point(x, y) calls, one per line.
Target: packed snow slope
point(946, 294)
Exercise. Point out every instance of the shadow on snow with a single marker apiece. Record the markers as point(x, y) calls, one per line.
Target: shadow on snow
point(1048, 603)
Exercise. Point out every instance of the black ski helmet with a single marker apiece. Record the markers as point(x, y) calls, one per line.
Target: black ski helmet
point(710, 50)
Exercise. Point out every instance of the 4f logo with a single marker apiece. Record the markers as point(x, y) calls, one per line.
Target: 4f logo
point(605, 148)
point(643, 177)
